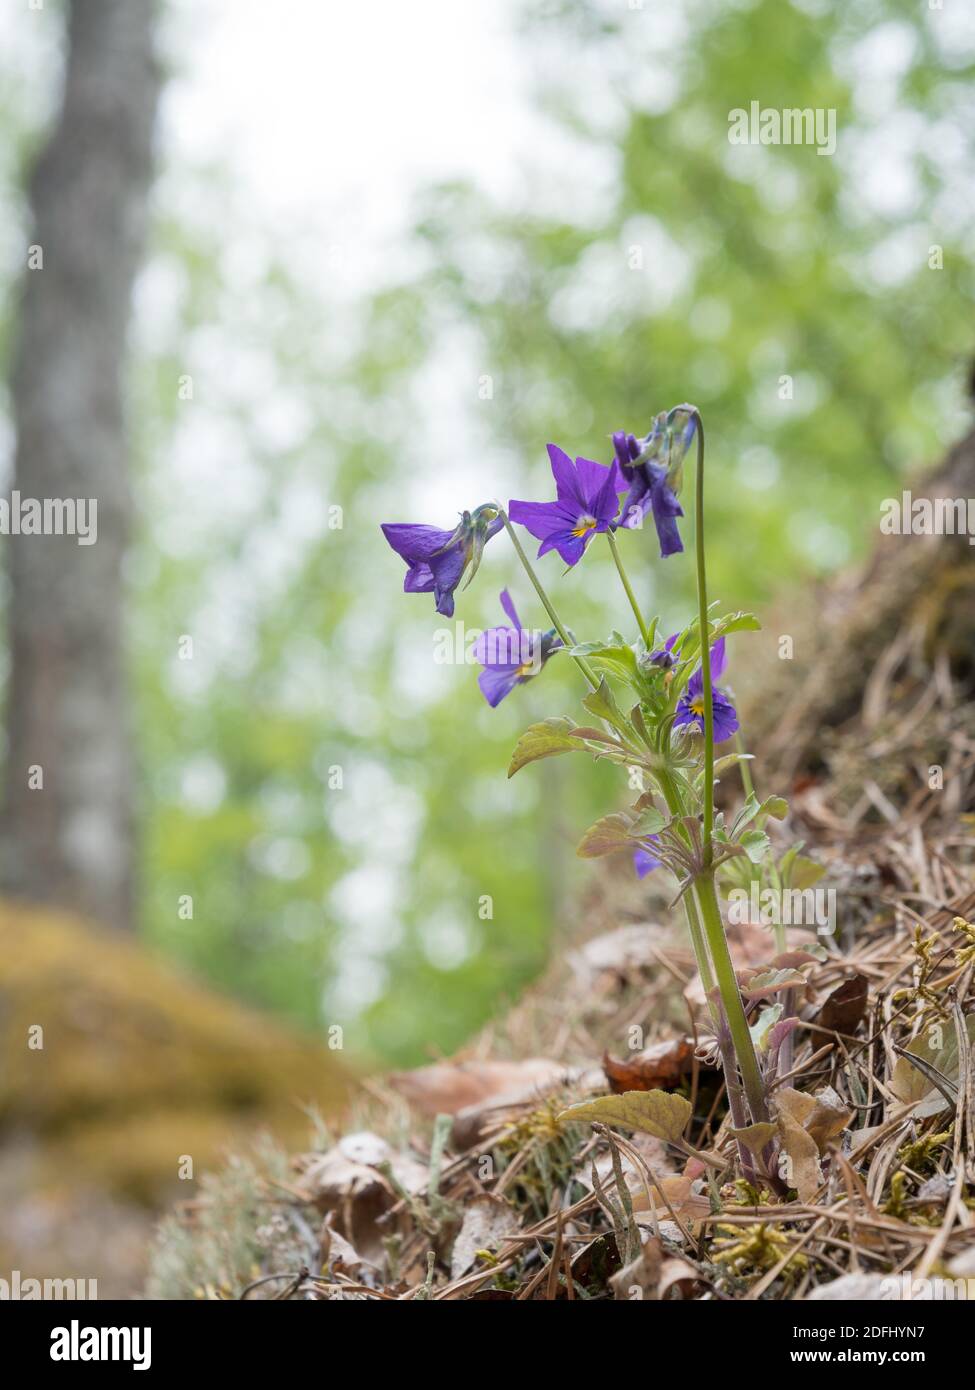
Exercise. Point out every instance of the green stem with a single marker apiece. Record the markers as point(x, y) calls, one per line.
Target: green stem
point(704, 886)
point(745, 767)
point(584, 666)
point(641, 622)
point(702, 606)
point(724, 970)
point(675, 806)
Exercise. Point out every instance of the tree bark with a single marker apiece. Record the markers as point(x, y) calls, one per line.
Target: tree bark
point(70, 839)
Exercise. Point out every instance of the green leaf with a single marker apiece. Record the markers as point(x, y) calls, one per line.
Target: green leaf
point(607, 836)
point(735, 622)
point(544, 740)
point(775, 806)
point(602, 703)
point(755, 843)
point(659, 1113)
point(763, 1025)
point(648, 822)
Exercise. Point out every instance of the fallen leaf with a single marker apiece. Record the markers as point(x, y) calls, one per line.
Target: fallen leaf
point(661, 1066)
point(488, 1221)
point(845, 1007)
point(653, 1112)
point(640, 1278)
point(686, 1204)
point(937, 1045)
point(806, 1125)
point(446, 1088)
point(347, 1182)
point(799, 1161)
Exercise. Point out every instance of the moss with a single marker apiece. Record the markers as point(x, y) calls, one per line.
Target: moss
point(139, 1065)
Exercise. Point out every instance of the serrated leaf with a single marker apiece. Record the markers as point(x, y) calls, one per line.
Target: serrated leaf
point(608, 836)
point(602, 703)
point(660, 1113)
point(544, 740)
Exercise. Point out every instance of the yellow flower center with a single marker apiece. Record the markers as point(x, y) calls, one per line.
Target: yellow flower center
point(527, 668)
point(697, 706)
point(584, 525)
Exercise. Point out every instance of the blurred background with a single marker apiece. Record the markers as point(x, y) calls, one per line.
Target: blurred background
point(378, 257)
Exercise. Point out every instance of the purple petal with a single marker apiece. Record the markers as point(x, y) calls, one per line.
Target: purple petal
point(509, 608)
point(539, 518)
point(566, 480)
point(570, 547)
point(718, 659)
point(496, 682)
point(415, 542)
point(644, 862)
point(419, 579)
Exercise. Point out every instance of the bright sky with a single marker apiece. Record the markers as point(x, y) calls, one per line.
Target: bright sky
point(332, 113)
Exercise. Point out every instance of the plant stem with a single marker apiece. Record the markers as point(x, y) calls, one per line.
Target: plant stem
point(675, 806)
point(641, 622)
point(744, 767)
point(583, 665)
point(702, 608)
point(724, 970)
point(704, 886)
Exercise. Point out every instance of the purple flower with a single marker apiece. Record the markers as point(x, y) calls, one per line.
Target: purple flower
point(436, 560)
point(511, 655)
point(653, 480)
point(690, 707)
point(643, 860)
point(587, 501)
point(665, 656)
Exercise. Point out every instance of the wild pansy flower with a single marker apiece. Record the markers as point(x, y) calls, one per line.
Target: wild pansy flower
point(652, 468)
point(690, 707)
point(511, 655)
point(587, 502)
point(437, 559)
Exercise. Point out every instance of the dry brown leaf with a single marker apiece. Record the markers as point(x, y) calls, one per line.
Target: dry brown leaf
point(447, 1088)
point(347, 1181)
point(641, 1277)
point(487, 1222)
point(660, 1067)
point(846, 1006)
point(806, 1125)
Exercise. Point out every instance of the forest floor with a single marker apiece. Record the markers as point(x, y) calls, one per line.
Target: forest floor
point(466, 1180)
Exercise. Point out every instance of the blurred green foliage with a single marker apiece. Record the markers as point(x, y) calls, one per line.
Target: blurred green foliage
point(647, 261)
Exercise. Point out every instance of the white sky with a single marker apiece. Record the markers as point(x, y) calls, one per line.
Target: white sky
point(333, 112)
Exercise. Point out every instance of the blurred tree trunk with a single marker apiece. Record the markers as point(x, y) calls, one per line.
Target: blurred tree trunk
point(71, 840)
